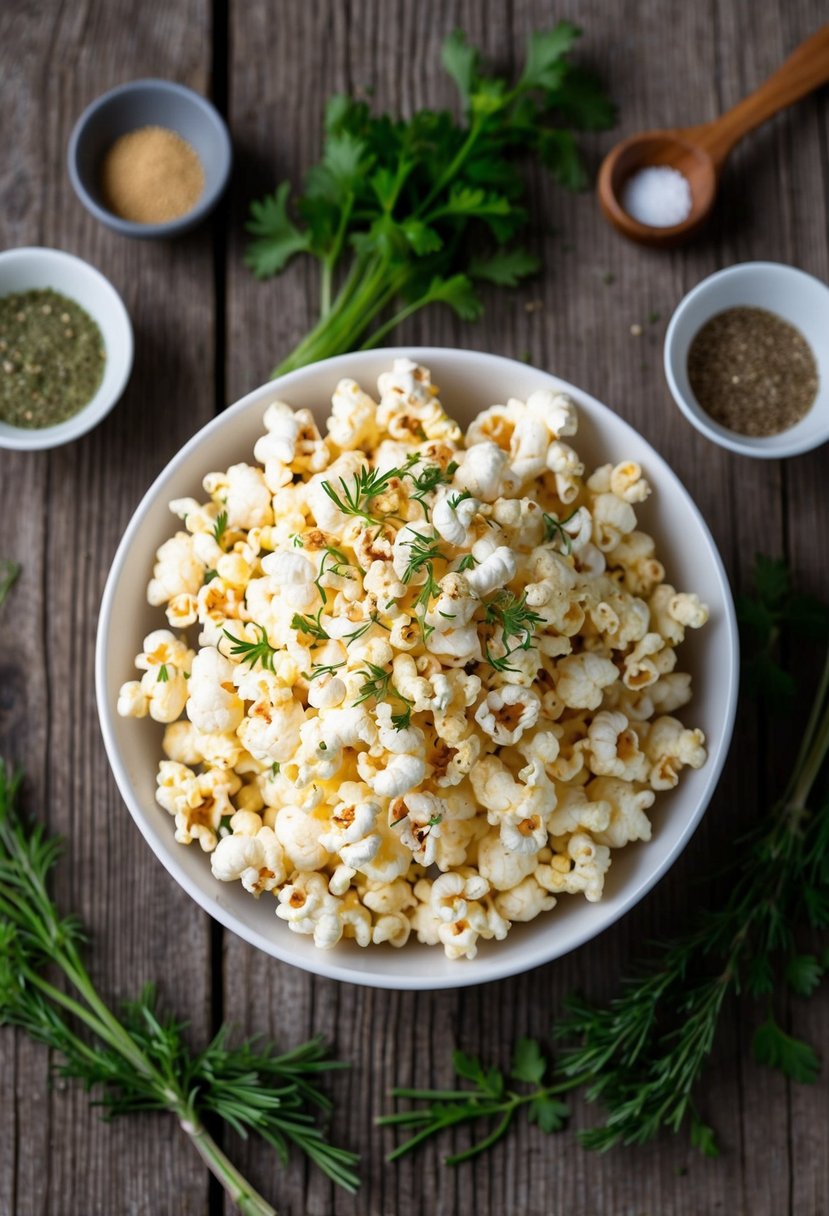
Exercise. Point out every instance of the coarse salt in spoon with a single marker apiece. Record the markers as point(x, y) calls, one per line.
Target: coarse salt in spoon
point(697, 154)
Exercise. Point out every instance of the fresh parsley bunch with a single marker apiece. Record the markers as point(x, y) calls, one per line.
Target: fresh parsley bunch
point(405, 213)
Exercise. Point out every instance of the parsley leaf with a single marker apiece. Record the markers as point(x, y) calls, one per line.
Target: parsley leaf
point(804, 973)
point(795, 1059)
point(277, 238)
point(528, 1064)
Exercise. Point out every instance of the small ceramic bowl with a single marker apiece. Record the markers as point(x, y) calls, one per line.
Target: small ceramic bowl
point(149, 103)
point(32, 269)
point(792, 294)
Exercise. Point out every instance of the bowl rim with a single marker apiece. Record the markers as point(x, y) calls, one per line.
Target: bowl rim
point(767, 447)
point(207, 201)
point(327, 965)
point(24, 439)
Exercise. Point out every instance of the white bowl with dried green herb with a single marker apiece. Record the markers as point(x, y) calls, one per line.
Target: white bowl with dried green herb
point(747, 359)
point(66, 348)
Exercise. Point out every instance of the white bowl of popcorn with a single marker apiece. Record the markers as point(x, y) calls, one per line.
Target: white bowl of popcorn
point(435, 682)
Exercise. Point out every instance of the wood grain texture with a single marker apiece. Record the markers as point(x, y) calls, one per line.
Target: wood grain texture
point(65, 513)
point(667, 64)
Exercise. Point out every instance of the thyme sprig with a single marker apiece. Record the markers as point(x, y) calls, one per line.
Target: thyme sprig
point(140, 1060)
point(252, 653)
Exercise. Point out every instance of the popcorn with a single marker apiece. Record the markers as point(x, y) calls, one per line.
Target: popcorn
point(255, 860)
point(434, 679)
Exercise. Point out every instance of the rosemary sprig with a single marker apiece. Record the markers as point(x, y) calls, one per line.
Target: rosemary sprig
point(252, 653)
point(140, 1061)
point(489, 1099)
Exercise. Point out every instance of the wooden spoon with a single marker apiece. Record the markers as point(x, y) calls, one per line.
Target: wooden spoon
point(700, 152)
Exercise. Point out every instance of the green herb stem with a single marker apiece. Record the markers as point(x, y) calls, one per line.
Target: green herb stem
point(249, 1201)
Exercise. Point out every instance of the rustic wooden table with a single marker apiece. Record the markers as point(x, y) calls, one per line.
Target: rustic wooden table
point(205, 334)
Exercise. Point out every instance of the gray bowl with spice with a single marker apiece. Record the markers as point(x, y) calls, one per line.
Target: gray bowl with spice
point(150, 158)
point(65, 348)
point(747, 359)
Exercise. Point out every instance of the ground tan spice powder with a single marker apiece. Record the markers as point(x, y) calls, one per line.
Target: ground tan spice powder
point(151, 176)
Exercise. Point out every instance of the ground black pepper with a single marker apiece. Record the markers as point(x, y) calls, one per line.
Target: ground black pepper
point(752, 372)
point(51, 358)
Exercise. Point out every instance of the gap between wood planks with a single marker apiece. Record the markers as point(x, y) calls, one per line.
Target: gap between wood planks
point(219, 95)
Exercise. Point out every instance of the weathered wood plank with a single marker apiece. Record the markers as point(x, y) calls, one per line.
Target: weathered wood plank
point(65, 513)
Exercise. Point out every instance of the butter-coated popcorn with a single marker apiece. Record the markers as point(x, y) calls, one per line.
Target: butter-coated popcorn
point(433, 676)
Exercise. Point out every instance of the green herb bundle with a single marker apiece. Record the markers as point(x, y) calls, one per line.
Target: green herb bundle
point(405, 213)
point(140, 1061)
point(642, 1055)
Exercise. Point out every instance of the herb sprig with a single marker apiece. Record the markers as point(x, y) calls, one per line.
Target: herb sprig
point(252, 653)
point(377, 687)
point(489, 1099)
point(140, 1061)
point(555, 530)
point(365, 485)
point(510, 614)
point(424, 551)
point(220, 527)
point(401, 214)
point(428, 480)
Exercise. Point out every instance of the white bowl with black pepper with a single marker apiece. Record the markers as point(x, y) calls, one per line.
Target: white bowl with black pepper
point(747, 359)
